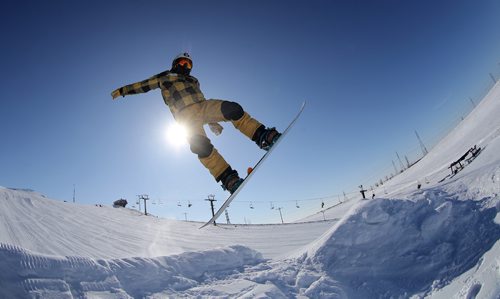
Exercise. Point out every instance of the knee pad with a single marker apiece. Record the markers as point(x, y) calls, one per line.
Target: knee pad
point(201, 146)
point(231, 110)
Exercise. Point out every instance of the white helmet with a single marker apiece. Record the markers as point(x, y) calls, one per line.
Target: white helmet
point(184, 55)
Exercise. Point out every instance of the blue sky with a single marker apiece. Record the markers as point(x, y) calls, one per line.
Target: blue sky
point(371, 71)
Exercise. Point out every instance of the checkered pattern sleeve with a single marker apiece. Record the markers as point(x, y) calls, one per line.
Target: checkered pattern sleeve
point(140, 87)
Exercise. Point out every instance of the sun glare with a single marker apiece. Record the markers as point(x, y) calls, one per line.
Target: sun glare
point(177, 134)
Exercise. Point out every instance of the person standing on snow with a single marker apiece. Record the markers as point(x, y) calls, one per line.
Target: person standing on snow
point(181, 92)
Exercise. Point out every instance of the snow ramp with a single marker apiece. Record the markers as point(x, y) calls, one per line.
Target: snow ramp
point(398, 248)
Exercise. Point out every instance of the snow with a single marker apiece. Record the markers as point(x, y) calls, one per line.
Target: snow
point(432, 239)
point(59, 228)
point(440, 241)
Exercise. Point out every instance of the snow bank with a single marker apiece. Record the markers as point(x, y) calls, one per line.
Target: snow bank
point(401, 247)
point(26, 274)
point(46, 226)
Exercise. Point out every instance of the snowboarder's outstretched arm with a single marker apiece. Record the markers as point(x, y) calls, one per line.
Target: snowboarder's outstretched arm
point(138, 87)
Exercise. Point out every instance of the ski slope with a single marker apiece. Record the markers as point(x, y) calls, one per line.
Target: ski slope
point(60, 228)
point(439, 241)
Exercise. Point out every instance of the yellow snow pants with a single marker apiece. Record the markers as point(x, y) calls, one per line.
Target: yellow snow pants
point(194, 116)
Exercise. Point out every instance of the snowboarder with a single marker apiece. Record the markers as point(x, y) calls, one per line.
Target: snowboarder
point(181, 92)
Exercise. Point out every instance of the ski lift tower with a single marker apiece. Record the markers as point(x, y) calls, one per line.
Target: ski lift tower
point(143, 197)
point(211, 199)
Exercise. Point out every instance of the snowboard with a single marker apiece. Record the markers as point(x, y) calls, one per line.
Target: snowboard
point(255, 168)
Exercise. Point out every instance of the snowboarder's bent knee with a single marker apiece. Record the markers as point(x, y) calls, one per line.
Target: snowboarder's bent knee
point(200, 145)
point(232, 110)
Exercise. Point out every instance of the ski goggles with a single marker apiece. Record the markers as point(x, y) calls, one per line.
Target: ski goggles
point(184, 62)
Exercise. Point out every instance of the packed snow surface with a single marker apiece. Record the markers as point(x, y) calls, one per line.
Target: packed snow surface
point(437, 241)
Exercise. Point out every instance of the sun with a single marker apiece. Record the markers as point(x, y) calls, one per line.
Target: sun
point(177, 134)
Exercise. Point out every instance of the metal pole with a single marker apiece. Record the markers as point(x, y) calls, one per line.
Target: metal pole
point(422, 145)
point(143, 197)
point(472, 101)
point(281, 215)
point(395, 169)
point(211, 199)
point(400, 162)
point(493, 78)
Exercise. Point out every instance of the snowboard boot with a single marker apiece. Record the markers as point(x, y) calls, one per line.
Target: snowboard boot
point(230, 180)
point(266, 137)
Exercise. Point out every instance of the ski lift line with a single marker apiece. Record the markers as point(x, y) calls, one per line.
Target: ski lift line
point(308, 199)
point(323, 198)
point(162, 201)
point(427, 177)
point(268, 201)
point(372, 178)
point(334, 196)
point(273, 203)
point(409, 182)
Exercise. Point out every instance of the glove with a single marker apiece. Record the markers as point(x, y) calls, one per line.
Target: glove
point(116, 93)
point(215, 128)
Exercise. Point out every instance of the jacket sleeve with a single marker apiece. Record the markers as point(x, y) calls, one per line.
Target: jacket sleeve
point(140, 87)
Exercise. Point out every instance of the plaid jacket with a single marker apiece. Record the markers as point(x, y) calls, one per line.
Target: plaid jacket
point(178, 91)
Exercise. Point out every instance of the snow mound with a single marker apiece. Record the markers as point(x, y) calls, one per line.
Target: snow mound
point(46, 226)
point(393, 248)
point(41, 276)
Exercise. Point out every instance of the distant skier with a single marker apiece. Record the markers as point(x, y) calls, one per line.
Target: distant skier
point(181, 92)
